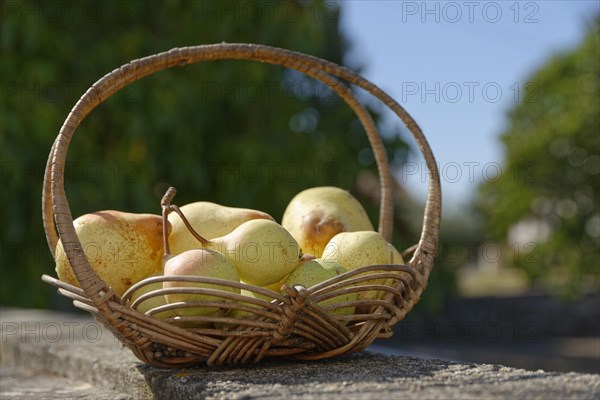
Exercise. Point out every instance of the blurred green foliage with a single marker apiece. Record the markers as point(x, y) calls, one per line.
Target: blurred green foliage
point(237, 133)
point(550, 186)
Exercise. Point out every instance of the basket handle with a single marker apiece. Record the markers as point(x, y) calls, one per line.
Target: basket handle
point(55, 205)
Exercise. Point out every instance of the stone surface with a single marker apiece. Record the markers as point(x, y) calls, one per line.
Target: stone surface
point(83, 356)
point(27, 384)
point(373, 376)
point(528, 331)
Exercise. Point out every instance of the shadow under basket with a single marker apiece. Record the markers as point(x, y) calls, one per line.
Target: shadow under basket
point(326, 320)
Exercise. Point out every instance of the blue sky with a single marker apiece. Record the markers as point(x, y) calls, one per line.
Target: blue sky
point(457, 67)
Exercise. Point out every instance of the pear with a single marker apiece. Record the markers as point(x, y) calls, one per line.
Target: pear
point(319, 270)
point(152, 302)
point(261, 250)
point(199, 262)
point(315, 215)
point(360, 249)
point(210, 220)
point(243, 314)
point(239, 314)
point(123, 248)
point(276, 287)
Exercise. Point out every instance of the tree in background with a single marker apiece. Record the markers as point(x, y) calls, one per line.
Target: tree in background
point(545, 206)
point(233, 132)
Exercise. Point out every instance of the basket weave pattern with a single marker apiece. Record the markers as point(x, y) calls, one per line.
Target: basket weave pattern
point(296, 323)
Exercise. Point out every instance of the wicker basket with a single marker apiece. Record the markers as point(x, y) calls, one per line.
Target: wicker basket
point(296, 324)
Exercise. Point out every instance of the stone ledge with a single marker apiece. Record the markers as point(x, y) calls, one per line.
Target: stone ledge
point(33, 385)
point(76, 350)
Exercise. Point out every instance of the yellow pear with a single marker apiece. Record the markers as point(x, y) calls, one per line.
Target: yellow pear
point(319, 270)
point(360, 249)
point(261, 250)
point(243, 314)
point(316, 215)
point(199, 262)
point(123, 248)
point(239, 314)
point(152, 302)
point(210, 220)
point(276, 287)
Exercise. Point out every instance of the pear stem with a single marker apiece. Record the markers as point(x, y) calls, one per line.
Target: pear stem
point(165, 215)
point(168, 197)
point(167, 208)
point(165, 203)
point(188, 225)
